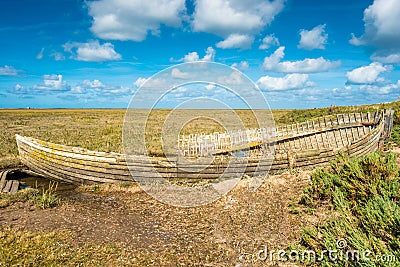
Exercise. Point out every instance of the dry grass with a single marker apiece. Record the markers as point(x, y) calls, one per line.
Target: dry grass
point(93, 129)
point(96, 129)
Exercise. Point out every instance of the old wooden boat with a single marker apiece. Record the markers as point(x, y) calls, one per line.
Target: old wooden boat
point(306, 144)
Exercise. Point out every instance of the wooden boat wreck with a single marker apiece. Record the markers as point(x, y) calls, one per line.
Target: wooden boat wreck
point(306, 144)
point(8, 181)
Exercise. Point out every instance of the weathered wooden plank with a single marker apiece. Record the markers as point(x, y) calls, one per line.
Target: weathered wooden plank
point(316, 162)
point(72, 176)
point(341, 138)
point(7, 187)
point(317, 141)
point(3, 181)
point(100, 171)
point(95, 174)
point(370, 146)
point(14, 186)
point(336, 139)
point(328, 139)
point(360, 143)
point(73, 150)
point(347, 136)
point(338, 120)
point(360, 147)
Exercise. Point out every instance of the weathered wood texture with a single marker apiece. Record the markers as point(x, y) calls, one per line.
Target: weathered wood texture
point(6, 185)
point(310, 143)
point(329, 131)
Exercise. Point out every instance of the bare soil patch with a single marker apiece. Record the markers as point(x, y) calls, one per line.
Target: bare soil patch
point(218, 233)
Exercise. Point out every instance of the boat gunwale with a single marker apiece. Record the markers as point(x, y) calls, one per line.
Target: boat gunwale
point(117, 158)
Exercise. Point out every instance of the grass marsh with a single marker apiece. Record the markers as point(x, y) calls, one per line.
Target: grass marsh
point(111, 225)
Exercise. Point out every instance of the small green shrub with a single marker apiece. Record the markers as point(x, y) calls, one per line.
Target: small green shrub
point(358, 179)
point(126, 184)
point(47, 198)
point(364, 193)
point(95, 188)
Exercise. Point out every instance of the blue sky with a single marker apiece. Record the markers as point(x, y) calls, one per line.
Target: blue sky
point(300, 53)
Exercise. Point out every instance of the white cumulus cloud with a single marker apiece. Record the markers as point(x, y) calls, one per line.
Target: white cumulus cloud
point(381, 24)
point(52, 82)
point(387, 57)
point(92, 51)
point(227, 17)
point(178, 74)
point(367, 74)
point(308, 65)
point(243, 65)
point(194, 56)
point(57, 56)
point(8, 71)
point(271, 62)
point(376, 90)
point(190, 57)
point(382, 31)
point(55, 84)
point(210, 86)
point(95, 84)
point(133, 19)
point(269, 41)
point(96, 88)
point(288, 82)
point(235, 78)
point(19, 90)
point(313, 39)
point(210, 54)
point(235, 40)
point(139, 82)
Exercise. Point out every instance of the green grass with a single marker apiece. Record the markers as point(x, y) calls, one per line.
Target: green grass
point(363, 195)
point(301, 115)
point(47, 198)
point(23, 248)
point(25, 195)
point(43, 199)
point(56, 248)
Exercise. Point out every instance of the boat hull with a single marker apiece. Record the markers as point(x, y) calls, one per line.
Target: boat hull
point(304, 147)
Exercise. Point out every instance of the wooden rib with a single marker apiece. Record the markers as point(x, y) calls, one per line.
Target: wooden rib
point(15, 186)
point(3, 181)
point(7, 187)
point(317, 142)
